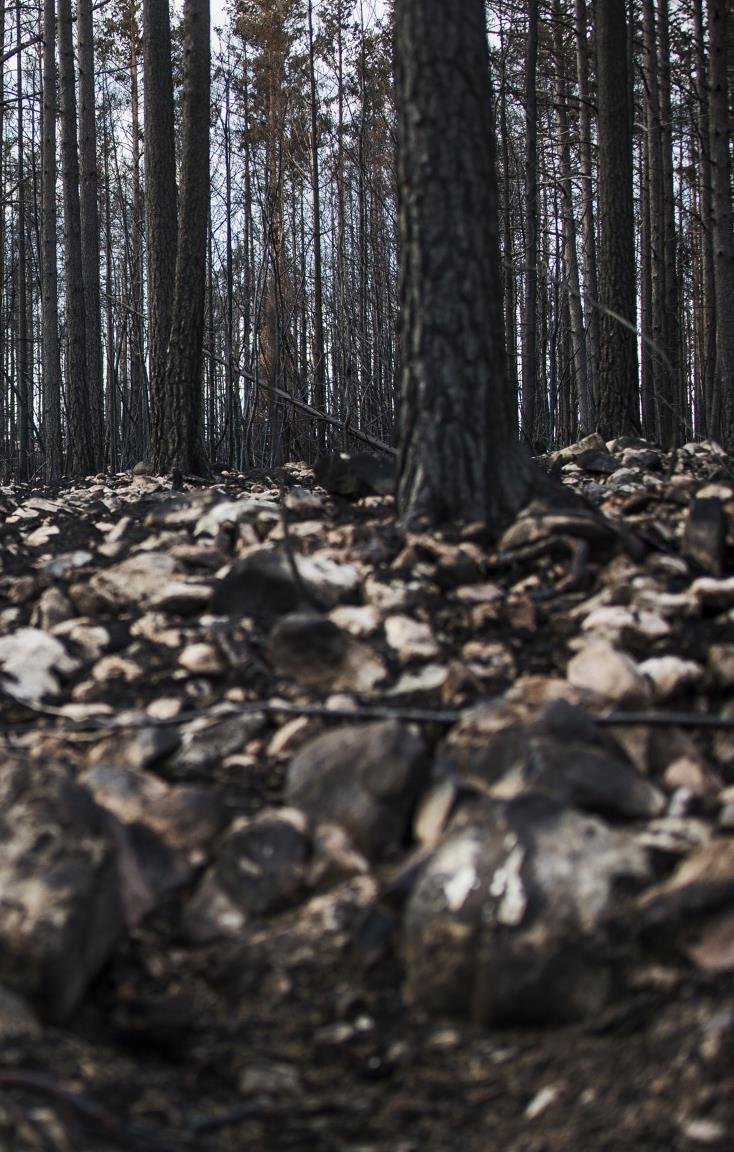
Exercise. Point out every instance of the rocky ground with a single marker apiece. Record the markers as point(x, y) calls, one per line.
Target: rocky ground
point(314, 836)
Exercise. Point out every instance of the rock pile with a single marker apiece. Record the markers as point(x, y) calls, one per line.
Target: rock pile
point(252, 719)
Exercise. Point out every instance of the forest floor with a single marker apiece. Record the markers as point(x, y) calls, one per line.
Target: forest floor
point(170, 690)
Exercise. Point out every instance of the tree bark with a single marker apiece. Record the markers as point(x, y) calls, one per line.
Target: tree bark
point(707, 408)
point(89, 208)
point(722, 215)
point(25, 373)
point(619, 407)
point(319, 354)
point(588, 222)
point(177, 442)
point(160, 198)
point(530, 334)
point(53, 462)
point(81, 455)
point(458, 456)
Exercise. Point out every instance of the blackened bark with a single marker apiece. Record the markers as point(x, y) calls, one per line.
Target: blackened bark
point(530, 383)
point(722, 205)
point(178, 441)
point(89, 208)
point(708, 410)
point(319, 358)
point(459, 458)
point(49, 275)
point(619, 407)
point(588, 224)
point(80, 456)
point(160, 196)
point(25, 371)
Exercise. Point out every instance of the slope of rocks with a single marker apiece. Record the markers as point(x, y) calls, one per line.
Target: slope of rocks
point(319, 836)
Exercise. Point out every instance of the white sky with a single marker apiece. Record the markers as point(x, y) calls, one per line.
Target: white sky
point(219, 8)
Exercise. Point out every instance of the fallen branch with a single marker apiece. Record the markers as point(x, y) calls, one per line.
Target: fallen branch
point(445, 717)
point(665, 720)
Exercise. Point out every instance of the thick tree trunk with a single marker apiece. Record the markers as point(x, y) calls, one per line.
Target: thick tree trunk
point(319, 355)
point(81, 455)
point(530, 420)
point(588, 221)
point(570, 255)
point(178, 441)
point(138, 401)
point(160, 197)
point(707, 338)
point(619, 407)
point(53, 462)
point(459, 458)
point(671, 301)
point(25, 372)
point(722, 206)
point(89, 207)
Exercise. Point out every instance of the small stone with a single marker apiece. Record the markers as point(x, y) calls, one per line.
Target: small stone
point(675, 837)
point(209, 742)
point(311, 650)
point(116, 668)
point(433, 812)
point(611, 674)
point(712, 593)
point(690, 773)
point(592, 443)
point(260, 866)
point(718, 1034)
point(17, 1020)
point(30, 661)
point(182, 598)
point(411, 639)
point(424, 681)
point(66, 562)
point(362, 621)
point(135, 580)
point(53, 608)
point(202, 660)
point(262, 586)
point(137, 750)
point(365, 778)
point(89, 640)
point(540, 1103)
point(721, 664)
point(61, 911)
point(354, 476)
point(272, 1078)
point(334, 857)
point(704, 535)
point(328, 581)
point(670, 675)
point(707, 1132)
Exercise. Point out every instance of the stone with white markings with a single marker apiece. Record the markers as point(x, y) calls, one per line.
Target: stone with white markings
point(509, 921)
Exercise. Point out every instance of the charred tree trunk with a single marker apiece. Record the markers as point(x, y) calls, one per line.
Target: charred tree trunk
point(459, 458)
